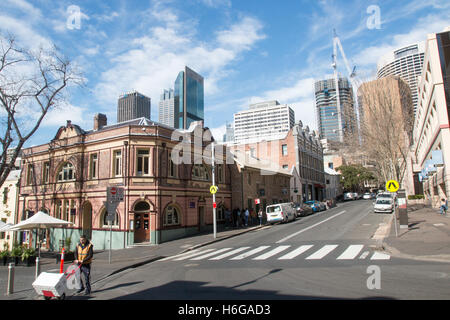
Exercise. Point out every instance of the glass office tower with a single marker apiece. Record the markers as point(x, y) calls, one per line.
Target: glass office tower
point(327, 110)
point(189, 99)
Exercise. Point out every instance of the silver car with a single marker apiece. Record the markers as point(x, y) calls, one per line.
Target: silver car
point(383, 205)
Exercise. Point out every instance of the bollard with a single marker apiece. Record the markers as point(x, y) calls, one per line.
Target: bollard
point(10, 289)
point(38, 268)
point(61, 267)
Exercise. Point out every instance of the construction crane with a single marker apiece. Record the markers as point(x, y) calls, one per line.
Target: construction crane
point(352, 78)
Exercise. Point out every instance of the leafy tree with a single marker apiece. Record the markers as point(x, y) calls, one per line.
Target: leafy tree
point(354, 176)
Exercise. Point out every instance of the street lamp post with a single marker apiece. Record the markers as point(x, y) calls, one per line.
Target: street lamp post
point(214, 194)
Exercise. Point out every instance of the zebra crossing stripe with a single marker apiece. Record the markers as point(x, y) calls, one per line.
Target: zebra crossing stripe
point(351, 252)
point(296, 252)
point(380, 256)
point(322, 252)
point(192, 255)
point(251, 252)
point(271, 253)
point(229, 253)
point(211, 254)
point(179, 255)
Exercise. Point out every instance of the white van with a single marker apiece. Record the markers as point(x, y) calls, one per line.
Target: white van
point(281, 212)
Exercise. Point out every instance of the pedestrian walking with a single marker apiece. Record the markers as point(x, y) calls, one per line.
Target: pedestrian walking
point(234, 217)
point(260, 214)
point(238, 220)
point(247, 213)
point(444, 206)
point(254, 216)
point(227, 218)
point(84, 252)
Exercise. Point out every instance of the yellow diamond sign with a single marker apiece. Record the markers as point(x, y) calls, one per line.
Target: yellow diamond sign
point(392, 186)
point(213, 189)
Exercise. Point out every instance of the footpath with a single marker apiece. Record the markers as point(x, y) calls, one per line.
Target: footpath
point(427, 237)
point(121, 260)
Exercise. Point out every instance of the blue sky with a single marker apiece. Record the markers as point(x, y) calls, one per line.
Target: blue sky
point(247, 50)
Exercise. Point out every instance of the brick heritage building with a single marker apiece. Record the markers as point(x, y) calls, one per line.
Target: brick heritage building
point(68, 178)
point(298, 148)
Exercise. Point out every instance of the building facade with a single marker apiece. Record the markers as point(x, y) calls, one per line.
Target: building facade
point(229, 133)
point(167, 108)
point(405, 62)
point(298, 148)
point(133, 105)
point(8, 206)
point(263, 120)
point(163, 200)
point(188, 99)
point(252, 180)
point(431, 151)
point(334, 124)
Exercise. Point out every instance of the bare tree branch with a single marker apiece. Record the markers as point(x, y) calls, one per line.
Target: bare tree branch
point(31, 84)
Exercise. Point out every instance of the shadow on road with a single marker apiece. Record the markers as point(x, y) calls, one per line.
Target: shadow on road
point(195, 290)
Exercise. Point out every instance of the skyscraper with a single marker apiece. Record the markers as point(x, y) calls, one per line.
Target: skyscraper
point(405, 62)
point(229, 134)
point(334, 125)
point(133, 105)
point(262, 121)
point(188, 99)
point(166, 108)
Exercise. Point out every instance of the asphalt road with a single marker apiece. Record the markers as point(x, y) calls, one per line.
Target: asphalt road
point(328, 255)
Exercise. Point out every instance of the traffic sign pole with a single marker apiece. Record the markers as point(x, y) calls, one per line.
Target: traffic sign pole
point(214, 194)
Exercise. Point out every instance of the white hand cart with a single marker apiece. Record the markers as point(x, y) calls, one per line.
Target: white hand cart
point(53, 285)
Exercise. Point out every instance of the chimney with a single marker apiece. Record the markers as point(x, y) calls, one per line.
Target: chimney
point(99, 121)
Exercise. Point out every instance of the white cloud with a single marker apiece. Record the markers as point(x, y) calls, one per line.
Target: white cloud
point(153, 61)
point(218, 132)
point(418, 33)
point(216, 3)
point(59, 116)
point(300, 97)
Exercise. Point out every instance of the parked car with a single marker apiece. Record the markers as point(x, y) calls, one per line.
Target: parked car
point(349, 196)
point(304, 210)
point(323, 206)
point(383, 205)
point(367, 196)
point(386, 195)
point(315, 205)
point(281, 212)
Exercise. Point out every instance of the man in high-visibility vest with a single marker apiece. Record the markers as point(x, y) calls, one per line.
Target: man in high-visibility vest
point(84, 252)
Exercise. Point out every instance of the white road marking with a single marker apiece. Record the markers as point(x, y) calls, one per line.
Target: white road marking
point(192, 255)
point(211, 254)
point(179, 255)
point(310, 227)
point(322, 252)
point(229, 253)
point(251, 252)
point(380, 256)
point(364, 255)
point(351, 252)
point(271, 253)
point(296, 252)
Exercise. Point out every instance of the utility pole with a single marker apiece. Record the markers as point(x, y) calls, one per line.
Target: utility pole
point(214, 194)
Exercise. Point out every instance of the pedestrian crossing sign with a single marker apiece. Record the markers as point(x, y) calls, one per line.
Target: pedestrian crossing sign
point(213, 189)
point(392, 186)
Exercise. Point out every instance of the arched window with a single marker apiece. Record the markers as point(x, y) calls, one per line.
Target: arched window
point(105, 223)
point(171, 216)
point(200, 172)
point(66, 173)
